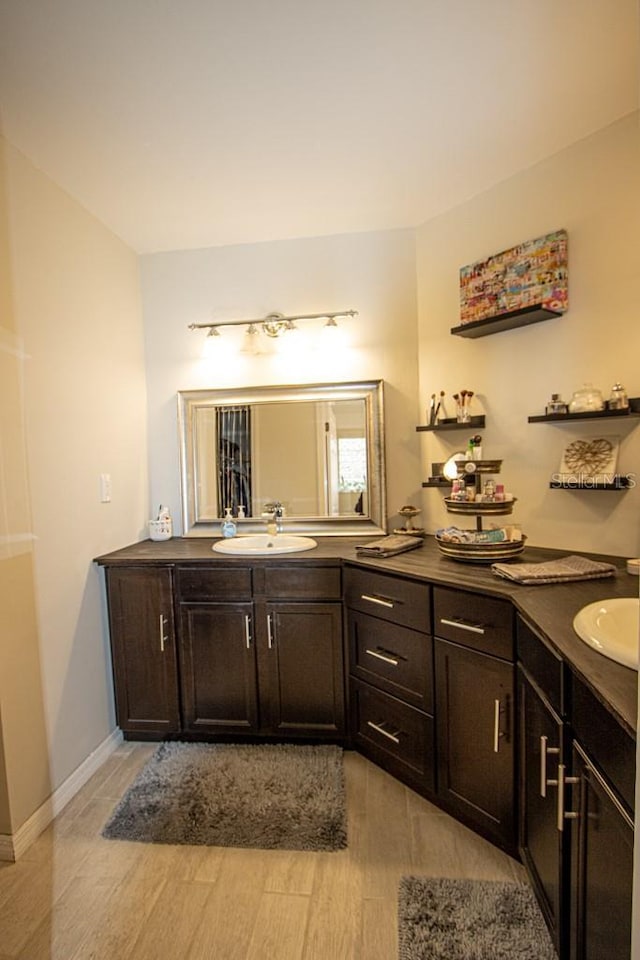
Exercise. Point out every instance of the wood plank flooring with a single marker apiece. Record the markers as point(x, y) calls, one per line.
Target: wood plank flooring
point(76, 896)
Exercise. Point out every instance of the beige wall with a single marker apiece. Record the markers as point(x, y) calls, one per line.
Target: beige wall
point(74, 407)
point(373, 273)
point(593, 190)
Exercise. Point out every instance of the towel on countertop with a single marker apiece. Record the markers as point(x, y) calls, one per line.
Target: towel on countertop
point(555, 571)
point(389, 546)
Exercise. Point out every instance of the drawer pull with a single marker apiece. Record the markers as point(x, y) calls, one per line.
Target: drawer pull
point(496, 726)
point(384, 657)
point(385, 733)
point(379, 600)
point(164, 638)
point(545, 750)
point(462, 625)
point(270, 631)
point(247, 631)
point(562, 780)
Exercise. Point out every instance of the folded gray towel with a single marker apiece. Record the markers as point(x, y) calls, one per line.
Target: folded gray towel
point(554, 571)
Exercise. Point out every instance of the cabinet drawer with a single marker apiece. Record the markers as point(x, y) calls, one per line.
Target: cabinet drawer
point(543, 665)
point(393, 658)
point(406, 602)
point(395, 735)
point(481, 623)
point(294, 582)
point(213, 583)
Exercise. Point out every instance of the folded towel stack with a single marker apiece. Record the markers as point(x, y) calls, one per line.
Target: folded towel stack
point(389, 546)
point(554, 571)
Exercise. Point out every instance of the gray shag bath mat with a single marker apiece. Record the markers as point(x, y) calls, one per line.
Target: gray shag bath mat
point(442, 919)
point(272, 797)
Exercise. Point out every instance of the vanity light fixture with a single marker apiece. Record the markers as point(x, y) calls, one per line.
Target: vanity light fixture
point(274, 324)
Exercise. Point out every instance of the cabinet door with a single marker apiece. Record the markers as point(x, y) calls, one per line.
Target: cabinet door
point(302, 670)
point(474, 722)
point(143, 645)
point(218, 668)
point(601, 867)
point(542, 846)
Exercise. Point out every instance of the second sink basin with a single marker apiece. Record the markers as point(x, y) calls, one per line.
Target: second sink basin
point(612, 627)
point(264, 545)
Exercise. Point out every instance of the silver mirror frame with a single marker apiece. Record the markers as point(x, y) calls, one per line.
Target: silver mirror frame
point(372, 392)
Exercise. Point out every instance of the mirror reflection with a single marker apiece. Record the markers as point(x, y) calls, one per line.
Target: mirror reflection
point(315, 450)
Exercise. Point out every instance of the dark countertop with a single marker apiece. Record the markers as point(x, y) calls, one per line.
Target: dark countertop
point(550, 608)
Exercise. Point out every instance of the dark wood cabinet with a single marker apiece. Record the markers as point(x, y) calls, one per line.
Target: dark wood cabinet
point(254, 664)
point(302, 671)
point(143, 645)
point(251, 650)
point(391, 674)
point(576, 806)
point(475, 715)
point(218, 675)
point(543, 848)
point(475, 724)
point(601, 865)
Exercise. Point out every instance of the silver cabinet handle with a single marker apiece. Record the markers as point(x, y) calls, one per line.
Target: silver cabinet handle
point(384, 657)
point(496, 726)
point(270, 631)
point(462, 625)
point(562, 780)
point(247, 631)
point(545, 750)
point(380, 600)
point(164, 638)
point(385, 733)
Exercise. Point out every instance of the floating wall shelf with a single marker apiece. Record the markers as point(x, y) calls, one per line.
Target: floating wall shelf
point(633, 410)
point(505, 321)
point(453, 424)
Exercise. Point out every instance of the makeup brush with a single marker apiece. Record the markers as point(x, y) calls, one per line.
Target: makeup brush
point(439, 404)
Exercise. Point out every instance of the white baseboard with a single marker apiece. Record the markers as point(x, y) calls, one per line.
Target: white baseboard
point(13, 845)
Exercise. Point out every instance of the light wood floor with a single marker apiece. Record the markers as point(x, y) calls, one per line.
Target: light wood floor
point(75, 896)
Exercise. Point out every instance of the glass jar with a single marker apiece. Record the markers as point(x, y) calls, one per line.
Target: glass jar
point(618, 399)
point(556, 405)
point(586, 400)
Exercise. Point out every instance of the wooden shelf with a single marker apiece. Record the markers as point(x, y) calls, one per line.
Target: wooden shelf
point(619, 482)
point(453, 424)
point(505, 321)
point(632, 411)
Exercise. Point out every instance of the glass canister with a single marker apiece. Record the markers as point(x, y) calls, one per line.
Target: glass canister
point(618, 399)
point(586, 400)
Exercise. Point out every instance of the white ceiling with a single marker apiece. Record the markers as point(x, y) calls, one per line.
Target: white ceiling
point(188, 123)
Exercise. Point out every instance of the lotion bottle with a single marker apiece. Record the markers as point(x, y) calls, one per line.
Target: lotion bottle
point(228, 527)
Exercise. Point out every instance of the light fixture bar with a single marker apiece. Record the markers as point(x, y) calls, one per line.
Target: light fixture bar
point(273, 318)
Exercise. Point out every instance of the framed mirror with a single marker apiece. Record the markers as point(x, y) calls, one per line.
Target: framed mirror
point(318, 450)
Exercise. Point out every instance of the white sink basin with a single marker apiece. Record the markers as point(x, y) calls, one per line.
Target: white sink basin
point(264, 545)
point(612, 628)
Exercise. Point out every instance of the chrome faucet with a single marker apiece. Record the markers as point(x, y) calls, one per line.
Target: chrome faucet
point(275, 510)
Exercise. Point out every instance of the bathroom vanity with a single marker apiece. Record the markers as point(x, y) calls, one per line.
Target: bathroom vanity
point(473, 690)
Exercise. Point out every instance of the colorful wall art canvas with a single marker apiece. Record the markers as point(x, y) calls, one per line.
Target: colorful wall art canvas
point(528, 275)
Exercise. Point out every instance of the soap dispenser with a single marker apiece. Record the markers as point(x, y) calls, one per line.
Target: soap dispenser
point(228, 527)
